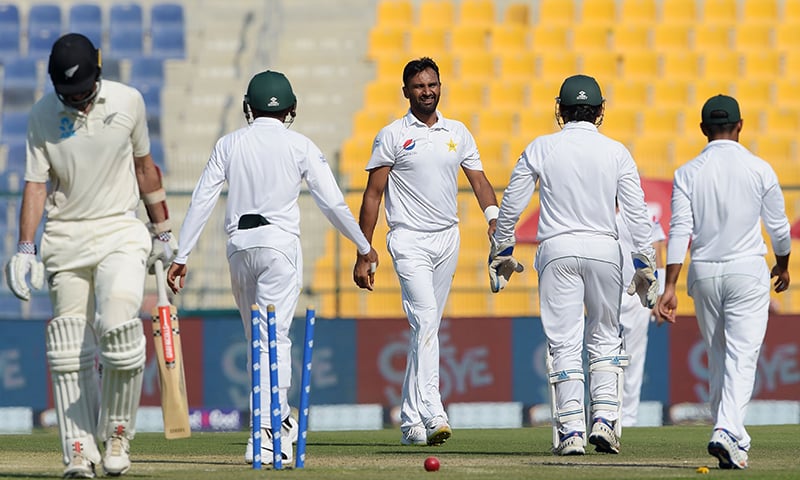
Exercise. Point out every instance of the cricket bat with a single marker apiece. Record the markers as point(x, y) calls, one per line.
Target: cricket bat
point(167, 340)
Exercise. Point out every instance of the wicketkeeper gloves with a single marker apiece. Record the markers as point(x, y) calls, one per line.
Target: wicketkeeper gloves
point(501, 265)
point(22, 263)
point(645, 280)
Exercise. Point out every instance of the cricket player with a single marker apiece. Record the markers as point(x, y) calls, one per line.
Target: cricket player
point(264, 165)
point(581, 173)
point(415, 161)
point(719, 200)
point(89, 140)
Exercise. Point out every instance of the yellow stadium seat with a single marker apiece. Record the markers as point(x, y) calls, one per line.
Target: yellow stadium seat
point(598, 12)
point(672, 36)
point(435, 13)
point(782, 93)
point(515, 301)
point(496, 121)
point(556, 65)
point(638, 11)
point(640, 64)
point(428, 41)
point(520, 65)
point(759, 11)
point(368, 122)
point(654, 151)
point(386, 41)
point(532, 123)
point(787, 34)
point(791, 11)
point(508, 38)
point(667, 91)
point(712, 38)
point(753, 36)
point(781, 120)
point(464, 114)
point(722, 12)
point(680, 64)
point(624, 93)
point(517, 13)
point(476, 66)
point(476, 12)
point(492, 149)
point(688, 146)
point(446, 62)
point(791, 65)
point(662, 120)
point(753, 93)
point(621, 123)
point(384, 94)
point(383, 304)
point(390, 68)
point(683, 12)
point(507, 93)
point(588, 37)
point(627, 37)
point(603, 65)
point(542, 93)
point(549, 37)
point(466, 39)
point(555, 12)
point(761, 64)
point(466, 304)
point(707, 88)
point(394, 13)
point(465, 93)
point(721, 65)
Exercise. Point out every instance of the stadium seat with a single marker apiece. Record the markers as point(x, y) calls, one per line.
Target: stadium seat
point(621, 123)
point(386, 41)
point(394, 13)
point(15, 159)
point(384, 95)
point(86, 18)
point(9, 44)
point(468, 39)
point(520, 65)
point(147, 70)
point(556, 65)
point(126, 44)
point(712, 38)
point(761, 64)
point(760, 11)
point(428, 41)
point(44, 16)
point(637, 12)
point(125, 17)
point(507, 93)
point(18, 99)
point(168, 44)
point(588, 37)
point(549, 37)
point(508, 39)
point(496, 121)
point(435, 14)
point(721, 65)
point(785, 89)
point(707, 88)
point(781, 121)
point(672, 36)
point(476, 66)
point(531, 124)
point(668, 91)
point(791, 14)
point(40, 42)
point(9, 16)
point(753, 92)
point(753, 36)
point(517, 13)
point(556, 12)
point(682, 65)
point(626, 93)
point(14, 128)
point(157, 152)
point(719, 12)
point(112, 69)
point(787, 34)
point(627, 37)
point(464, 92)
point(598, 12)
point(152, 98)
point(678, 12)
point(20, 72)
point(604, 65)
point(167, 16)
point(640, 64)
point(661, 120)
point(476, 12)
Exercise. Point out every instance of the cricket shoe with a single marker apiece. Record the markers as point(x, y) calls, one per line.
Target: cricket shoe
point(570, 444)
point(727, 450)
point(117, 460)
point(603, 436)
point(79, 466)
point(289, 430)
point(437, 431)
point(415, 435)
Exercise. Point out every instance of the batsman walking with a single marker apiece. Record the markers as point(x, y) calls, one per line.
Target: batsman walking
point(264, 165)
point(719, 200)
point(581, 173)
point(89, 140)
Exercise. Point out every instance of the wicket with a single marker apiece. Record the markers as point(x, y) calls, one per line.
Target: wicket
point(275, 410)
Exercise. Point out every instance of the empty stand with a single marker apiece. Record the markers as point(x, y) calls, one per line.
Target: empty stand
point(476, 12)
point(126, 44)
point(125, 16)
point(436, 13)
point(637, 12)
point(555, 12)
point(598, 12)
point(40, 42)
point(391, 13)
point(146, 70)
point(44, 16)
point(87, 19)
point(505, 39)
point(168, 44)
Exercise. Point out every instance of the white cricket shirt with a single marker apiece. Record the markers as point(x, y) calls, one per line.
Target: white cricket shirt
point(264, 165)
point(88, 158)
point(422, 187)
point(580, 173)
point(718, 200)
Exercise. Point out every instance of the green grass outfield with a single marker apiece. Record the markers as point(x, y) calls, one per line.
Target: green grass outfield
point(665, 452)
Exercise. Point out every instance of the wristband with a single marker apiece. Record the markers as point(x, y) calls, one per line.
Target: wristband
point(28, 248)
point(491, 213)
point(661, 275)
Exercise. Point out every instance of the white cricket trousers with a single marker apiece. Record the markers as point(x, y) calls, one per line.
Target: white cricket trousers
point(264, 276)
point(425, 263)
point(635, 321)
point(731, 300)
point(581, 274)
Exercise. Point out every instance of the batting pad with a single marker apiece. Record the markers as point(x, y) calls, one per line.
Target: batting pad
point(122, 352)
point(71, 350)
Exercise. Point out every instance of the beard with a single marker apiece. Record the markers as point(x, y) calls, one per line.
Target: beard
point(427, 108)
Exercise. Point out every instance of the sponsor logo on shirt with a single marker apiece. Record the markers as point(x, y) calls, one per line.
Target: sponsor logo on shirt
point(67, 127)
point(409, 144)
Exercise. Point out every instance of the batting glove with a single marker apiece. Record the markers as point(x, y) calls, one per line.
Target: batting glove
point(645, 280)
point(165, 248)
point(501, 265)
point(17, 269)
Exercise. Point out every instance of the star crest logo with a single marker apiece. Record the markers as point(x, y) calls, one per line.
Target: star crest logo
point(451, 146)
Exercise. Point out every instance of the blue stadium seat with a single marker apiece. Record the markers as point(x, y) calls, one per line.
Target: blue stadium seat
point(112, 70)
point(87, 18)
point(9, 43)
point(18, 99)
point(125, 16)
point(152, 98)
point(44, 16)
point(168, 44)
point(165, 16)
point(147, 70)
point(14, 128)
point(10, 306)
point(9, 16)
point(40, 43)
point(15, 159)
point(157, 152)
point(11, 182)
point(126, 44)
point(20, 72)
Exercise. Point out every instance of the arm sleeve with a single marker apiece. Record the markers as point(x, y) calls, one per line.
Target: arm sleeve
point(382, 151)
point(472, 158)
point(773, 214)
point(37, 165)
point(139, 135)
point(328, 197)
point(516, 197)
point(681, 224)
point(204, 198)
point(633, 207)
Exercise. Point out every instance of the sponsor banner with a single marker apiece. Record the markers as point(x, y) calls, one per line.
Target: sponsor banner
point(474, 358)
point(191, 338)
point(23, 376)
point(778, 375)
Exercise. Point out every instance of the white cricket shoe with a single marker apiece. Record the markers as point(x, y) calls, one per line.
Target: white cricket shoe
point(117, 460)
point(289, 430)
point(415, 435)
point(79, 466)
point(570, 444)
point(603, 436)
point(437, 431)
point(727, 450)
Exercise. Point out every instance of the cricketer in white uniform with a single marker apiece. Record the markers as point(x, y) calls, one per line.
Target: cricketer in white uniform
point(89, 140)
point(719, 200)
point(264, 165)
point(416, 161)
point(635, 320)
point(579, 261)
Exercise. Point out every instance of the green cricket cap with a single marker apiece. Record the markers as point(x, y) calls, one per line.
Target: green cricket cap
point(720, 109)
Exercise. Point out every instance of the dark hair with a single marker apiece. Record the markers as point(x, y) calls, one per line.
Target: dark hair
point(580, 113)
point(715, 129)
point(415, 66)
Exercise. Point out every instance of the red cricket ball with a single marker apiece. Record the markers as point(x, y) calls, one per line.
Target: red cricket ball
point(431, 464)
